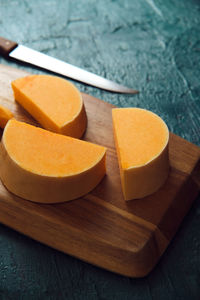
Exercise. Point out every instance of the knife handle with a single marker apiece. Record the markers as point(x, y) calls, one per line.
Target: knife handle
point(6, 46)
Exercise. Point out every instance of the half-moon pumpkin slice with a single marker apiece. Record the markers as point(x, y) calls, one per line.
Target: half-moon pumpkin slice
point(46, 167)
point(141, 139)
point(53, 101)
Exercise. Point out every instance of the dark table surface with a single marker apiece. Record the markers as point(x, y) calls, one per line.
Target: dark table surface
point(153, 46)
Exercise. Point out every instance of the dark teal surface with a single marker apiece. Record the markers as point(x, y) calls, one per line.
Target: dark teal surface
point(153, 46)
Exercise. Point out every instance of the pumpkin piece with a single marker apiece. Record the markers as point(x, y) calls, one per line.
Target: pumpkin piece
point(5, 116)
point(141, 139)
point(46, 167)
point(54, 102)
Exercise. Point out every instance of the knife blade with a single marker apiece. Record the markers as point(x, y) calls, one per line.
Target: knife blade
point(22, 53)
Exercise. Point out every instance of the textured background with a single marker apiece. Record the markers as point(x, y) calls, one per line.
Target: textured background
point(153, 46)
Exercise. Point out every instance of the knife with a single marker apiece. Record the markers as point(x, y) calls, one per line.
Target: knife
point(22, 53)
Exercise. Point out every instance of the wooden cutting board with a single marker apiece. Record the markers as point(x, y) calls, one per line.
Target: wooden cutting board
point(101, 228)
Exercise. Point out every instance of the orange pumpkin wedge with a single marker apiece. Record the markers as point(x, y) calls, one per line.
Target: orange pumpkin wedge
point(54, 102)
point(141, 139)
point(5, 116)
point(46, 167)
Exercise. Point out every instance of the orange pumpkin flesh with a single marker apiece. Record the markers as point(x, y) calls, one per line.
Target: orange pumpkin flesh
point(54, 102)
point(141, 139)
point(5, 116)
point(42, 166)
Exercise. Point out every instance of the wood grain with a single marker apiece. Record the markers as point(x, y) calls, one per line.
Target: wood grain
point(101, 228)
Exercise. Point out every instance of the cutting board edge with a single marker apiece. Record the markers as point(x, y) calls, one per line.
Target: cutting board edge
point(136, 263)
point(191, 187)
